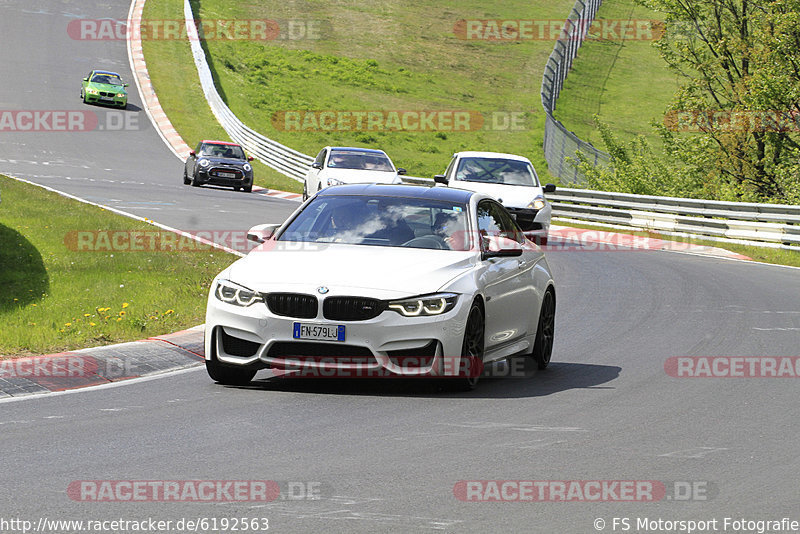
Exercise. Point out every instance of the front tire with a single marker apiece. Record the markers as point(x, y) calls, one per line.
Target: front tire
point(471, 364)
point(194, 181)
point(545, 332)
point(186, 180)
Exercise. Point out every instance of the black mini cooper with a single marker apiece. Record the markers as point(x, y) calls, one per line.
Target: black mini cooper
point(219, 163)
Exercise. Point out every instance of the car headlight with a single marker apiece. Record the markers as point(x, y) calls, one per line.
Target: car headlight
point(203, 163)
point(537, 203)
point(247, 167)
point(425, 305)
point(233, 293)
point(334, 181)
point(92, 91)
point(120, 95)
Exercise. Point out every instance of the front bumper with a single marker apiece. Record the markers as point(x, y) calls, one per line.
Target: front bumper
point(107, 100)
point(387, 345)
point(213, 175)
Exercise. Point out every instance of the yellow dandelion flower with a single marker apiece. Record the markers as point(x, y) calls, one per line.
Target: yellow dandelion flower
point(119, 319)
point(87, 314)
point(124, 305)
point(169, 312)
point(67, 324)
point(92, 324)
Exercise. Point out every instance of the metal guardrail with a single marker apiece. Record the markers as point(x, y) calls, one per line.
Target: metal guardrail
point(283, 159)
point(758, 224)
point(560, 143)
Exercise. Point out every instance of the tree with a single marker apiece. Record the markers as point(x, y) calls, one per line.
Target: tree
point(740, 65)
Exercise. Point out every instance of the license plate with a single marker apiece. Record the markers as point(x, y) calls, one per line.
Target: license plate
point(106, 99)
point(325, 332)
point(226, 175)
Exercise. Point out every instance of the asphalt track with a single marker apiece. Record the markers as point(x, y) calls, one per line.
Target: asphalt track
point(386, 456)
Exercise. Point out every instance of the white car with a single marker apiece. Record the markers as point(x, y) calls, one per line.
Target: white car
point(510, 179)
point(376, 280)
point(348, 165)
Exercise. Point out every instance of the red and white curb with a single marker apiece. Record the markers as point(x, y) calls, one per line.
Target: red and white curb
point(277, 193)
point(150, 101)
point(97, 366)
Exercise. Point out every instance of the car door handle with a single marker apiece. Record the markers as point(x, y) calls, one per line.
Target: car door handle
point(522, 264)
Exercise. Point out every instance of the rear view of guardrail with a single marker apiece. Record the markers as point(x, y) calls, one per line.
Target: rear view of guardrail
point(560, 143)
point(776, 225)
point(283, 159)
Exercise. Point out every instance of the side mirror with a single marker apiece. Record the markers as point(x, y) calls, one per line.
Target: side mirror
point(249, 158)
point(500, 247)
point(440, 179)
point(262, 232)
point(401, 170)
point(193, 154)
point(316, 165)
point(86, 79)
point(124, 85)
point(550, 188)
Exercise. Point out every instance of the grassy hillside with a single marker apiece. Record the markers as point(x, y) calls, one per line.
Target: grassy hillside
point(383, 56)
point(625, 83)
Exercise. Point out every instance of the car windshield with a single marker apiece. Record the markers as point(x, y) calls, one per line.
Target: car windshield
point(496, 171)
point(106, 78)
point(381, 221)
point(222, 151)
point(360, 160)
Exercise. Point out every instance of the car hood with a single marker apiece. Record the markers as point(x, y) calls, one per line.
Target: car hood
point(358, 176)
point(513, 196)
point(107, 87)
point(359, 270)
point(225, 161)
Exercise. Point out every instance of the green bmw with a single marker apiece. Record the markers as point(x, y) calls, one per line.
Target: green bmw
point(104, 87)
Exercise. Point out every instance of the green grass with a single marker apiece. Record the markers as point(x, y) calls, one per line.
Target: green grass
point(56, 298)
point(625, 83)
point(390, 55)
point(760, 254)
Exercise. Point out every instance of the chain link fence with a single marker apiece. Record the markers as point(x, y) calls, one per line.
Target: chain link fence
point(559, 143)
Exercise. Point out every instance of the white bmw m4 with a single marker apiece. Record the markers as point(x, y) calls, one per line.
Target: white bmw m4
point(383, 280)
